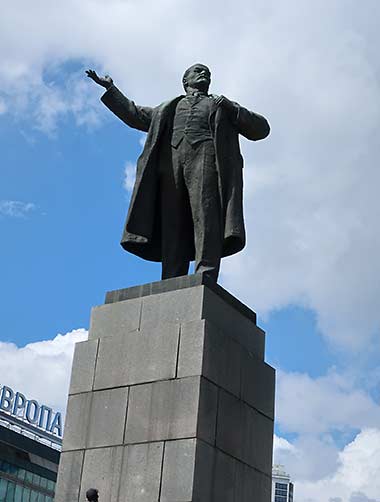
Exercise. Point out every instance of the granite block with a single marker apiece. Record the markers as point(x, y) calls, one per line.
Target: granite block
point(115, 319)
point(83, 368)
point(69, 476)
point(172, 307)
point(263, 485)
point(163, 410)
point(205, 350)
point(224, 478)
point(258, 384)
point(107, 418)
point(245, 483)
point(141, 472)
point(120, 357)
point(102, 470)
point(251, 484)
point(178, 471)
point(230, 425)
point(258, 445)
point(204, 471)
point(153, 288)
point(176, 284)
point(244, 433)
point(241, 328)
point(207, 411)
point(76, 423)
point(172, 409)
point(196, 471)
point(191, 349)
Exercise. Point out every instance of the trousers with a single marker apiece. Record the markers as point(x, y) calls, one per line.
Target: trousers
point(190, 210)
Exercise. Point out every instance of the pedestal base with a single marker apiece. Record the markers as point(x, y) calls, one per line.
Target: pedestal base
point(170, 400)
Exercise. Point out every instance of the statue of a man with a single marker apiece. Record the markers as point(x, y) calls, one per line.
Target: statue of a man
point(187, 200)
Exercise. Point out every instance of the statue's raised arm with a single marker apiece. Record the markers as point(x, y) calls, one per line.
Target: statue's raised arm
point(138, 117)
point(105, 81)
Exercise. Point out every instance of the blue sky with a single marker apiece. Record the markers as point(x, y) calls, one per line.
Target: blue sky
point(65, 250)
point(310, 269)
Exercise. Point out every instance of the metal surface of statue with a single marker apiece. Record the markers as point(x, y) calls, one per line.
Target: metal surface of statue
point(187, 200)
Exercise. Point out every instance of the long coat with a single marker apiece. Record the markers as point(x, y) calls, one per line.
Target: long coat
point(142, 231)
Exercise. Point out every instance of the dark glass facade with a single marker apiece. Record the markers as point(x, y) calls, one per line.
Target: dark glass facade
point(20, 485)
point(28, 469)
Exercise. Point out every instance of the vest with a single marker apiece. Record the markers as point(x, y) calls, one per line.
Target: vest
point(191, 120)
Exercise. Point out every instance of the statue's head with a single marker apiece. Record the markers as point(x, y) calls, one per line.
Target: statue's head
point(198, 76)
point(92, 495)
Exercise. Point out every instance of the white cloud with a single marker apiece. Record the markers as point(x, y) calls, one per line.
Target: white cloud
point(333, 402)
point(142, 139)
point(309, 458)
point(129, 176)
point(321, 416)
point(282, 444)
point(360, 497)
point(41, 370)
point(355, 477)
point(15, 208)
point(48, 103)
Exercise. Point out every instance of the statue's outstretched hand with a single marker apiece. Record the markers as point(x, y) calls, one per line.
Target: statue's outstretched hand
point(105, 81)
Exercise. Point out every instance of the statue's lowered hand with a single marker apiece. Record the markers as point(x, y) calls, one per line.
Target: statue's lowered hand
point(105, 81)
point(223, 101)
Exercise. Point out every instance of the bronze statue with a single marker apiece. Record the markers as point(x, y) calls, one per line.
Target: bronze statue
point(187, 200)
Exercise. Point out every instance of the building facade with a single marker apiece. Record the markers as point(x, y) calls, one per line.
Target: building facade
point(29, 453)
point(282, 487)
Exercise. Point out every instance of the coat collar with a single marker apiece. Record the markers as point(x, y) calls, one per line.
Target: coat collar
point(166, 107)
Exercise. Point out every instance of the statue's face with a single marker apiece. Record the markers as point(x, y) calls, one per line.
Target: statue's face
point(198, 76)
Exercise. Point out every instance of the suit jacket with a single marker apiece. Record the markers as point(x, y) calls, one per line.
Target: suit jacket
point(142, 230)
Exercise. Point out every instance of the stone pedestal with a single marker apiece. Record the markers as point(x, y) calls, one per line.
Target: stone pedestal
point(170, 399)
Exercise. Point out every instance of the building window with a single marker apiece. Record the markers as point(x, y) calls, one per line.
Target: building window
point(3, 488)
point(20, 485)
point(282, 486)
point(279, 498)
